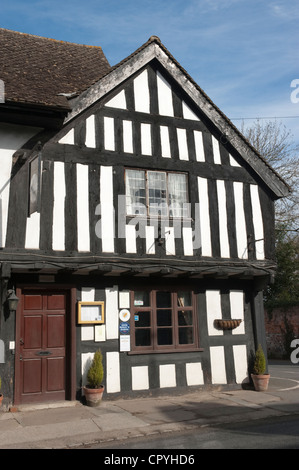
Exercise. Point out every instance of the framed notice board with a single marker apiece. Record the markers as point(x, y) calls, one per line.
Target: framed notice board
point(90, 312)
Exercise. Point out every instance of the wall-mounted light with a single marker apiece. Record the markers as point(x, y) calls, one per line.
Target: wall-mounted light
point(12, 300)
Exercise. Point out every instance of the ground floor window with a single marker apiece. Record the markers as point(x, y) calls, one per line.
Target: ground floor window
point(163, 320)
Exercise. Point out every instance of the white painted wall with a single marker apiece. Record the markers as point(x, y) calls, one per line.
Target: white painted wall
point(58, 231)
point(140, 380)
point(214, 311)
point(12, 137)
point(204, 214)
point(218, 365)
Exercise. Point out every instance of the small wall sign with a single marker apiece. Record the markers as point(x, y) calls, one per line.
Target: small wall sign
point(124, 315)
point(125, 344)
point(90, 312)
point(124, 328)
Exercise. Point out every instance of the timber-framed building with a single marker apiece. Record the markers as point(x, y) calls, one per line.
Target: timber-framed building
point(134, 218)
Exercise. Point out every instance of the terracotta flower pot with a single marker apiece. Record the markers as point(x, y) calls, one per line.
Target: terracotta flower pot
point(260, 382)
point(93, 396)
point(1, 398)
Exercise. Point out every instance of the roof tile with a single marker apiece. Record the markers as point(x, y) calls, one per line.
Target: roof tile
point(41, 71)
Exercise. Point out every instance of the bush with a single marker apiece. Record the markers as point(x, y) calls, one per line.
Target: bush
point(259, 366)
point(96, 372)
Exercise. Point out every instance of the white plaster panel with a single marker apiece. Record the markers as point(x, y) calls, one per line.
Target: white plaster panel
point(146, 139)
point(58, 240)
point(257, 222)
point(218, 365)
point(32, 231)
point(167, 375)
point(236, 299)
point(194, 373)
point(111, 312)
point(199, 147)
point(68, 138)
point(204, 211)
point(150, 239)
point(109, 140)
point(241, 364)
point(140, 380)
point(188, 113)
point(216, 151)
point(83, 225)
point(169, 241)
point(107, 209)
point(240, 221)
point(118, 101)
point(223, 228)
point(187, 241)
point(131, 239)
point(165, 143)
point(90, 139)
point(86, 360)
point(112, 372)
point(141, 93)
point(87, 294)
point(182, 144)
point(233, 162)
point(164, 96)
point(128, 136)
point(214, 311)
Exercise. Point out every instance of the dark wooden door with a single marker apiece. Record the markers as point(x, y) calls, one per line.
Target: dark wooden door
point(42, 348)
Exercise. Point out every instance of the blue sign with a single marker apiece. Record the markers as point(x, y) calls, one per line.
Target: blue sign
point(124, 328)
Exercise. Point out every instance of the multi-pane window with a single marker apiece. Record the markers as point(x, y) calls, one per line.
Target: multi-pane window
point(156, 193)
point(163, 320)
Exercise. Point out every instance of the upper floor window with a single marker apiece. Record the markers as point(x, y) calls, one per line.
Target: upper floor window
point(157, 193)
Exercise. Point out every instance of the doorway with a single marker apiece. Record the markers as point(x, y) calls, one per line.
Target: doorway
point(44, 346)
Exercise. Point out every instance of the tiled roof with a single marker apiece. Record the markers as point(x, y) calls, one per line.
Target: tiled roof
point(37, 70)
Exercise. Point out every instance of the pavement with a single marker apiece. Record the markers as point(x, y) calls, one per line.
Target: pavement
point(71, 425)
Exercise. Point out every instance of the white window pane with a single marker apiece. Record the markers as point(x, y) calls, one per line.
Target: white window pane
point(157, 193)
point(135, 192)
point(178, 195)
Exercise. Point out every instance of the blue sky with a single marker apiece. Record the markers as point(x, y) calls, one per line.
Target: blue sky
point(243, 53)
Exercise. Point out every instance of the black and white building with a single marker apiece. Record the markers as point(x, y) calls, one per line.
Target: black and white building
point(134, 197)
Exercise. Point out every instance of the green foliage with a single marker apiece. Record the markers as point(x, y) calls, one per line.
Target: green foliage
point(96, 372)
point(284, 292)
point(259, 366)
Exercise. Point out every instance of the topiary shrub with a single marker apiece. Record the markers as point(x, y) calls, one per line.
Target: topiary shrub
point(95, 373)
point(259, 366)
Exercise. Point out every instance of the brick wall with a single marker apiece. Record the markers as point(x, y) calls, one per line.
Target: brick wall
point(282, 325)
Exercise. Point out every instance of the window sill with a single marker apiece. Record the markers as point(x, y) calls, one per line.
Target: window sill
point(158, 217)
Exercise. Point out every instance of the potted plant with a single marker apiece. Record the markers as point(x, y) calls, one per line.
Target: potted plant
point(1, 396)
point(94, 389)
point(259, 378)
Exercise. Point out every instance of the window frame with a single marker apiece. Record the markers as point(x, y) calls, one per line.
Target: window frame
point(34, 200)
point(147, 196)
point(154, 347)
